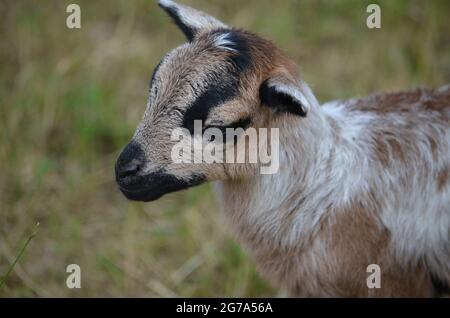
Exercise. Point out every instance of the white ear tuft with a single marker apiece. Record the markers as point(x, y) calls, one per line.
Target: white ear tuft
point(223, 41)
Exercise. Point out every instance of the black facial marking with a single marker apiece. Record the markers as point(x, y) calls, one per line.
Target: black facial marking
point(279, 101)
point(153, 186)
point(175, 15)
point(224, 87)
point(214, 96)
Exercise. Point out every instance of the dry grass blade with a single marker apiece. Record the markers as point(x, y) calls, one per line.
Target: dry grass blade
point(19, 255)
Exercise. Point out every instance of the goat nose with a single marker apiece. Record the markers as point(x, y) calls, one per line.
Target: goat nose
point(129, 170)
point(130, 161)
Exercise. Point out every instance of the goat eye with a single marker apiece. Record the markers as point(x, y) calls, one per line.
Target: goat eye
point(240, 123)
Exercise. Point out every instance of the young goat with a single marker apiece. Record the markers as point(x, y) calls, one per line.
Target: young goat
point(361, 181)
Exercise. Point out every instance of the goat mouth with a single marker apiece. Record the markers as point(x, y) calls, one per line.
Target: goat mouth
point(152, 186)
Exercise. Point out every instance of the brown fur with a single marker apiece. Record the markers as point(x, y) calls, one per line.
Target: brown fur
point(389, 149)
point(333, 263)
point(404, 102)
point(358, 239)
point(443, 178)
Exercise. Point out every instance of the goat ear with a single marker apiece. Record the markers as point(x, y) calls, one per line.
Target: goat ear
point(283, 95)
point(189, 20)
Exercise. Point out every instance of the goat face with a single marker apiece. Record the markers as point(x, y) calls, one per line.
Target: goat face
point(222, 77)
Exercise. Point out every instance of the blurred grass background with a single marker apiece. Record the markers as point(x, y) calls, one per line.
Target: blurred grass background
point(71, 99)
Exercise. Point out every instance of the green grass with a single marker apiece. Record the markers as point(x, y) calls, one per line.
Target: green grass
point(70, 99)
